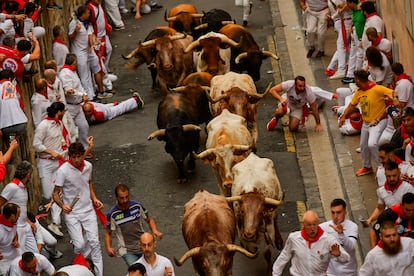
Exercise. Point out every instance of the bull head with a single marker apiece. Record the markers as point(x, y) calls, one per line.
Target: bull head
point(268, 200)
point(254, 98)
point(265, 54)
point(219, 98)
point(224, 39)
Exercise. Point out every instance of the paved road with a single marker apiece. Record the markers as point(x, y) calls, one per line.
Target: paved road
point(123, 155)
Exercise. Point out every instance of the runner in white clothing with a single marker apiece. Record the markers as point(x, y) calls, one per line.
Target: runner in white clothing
point(346, 232)
point(9, 243)
point(59, 47)
point(404, 88)
point(309, 250)
point(73, 181)
point(30, 264)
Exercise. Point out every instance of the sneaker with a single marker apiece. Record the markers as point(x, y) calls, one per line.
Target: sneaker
point(245, 23)
point(112, 77)
point(348, 80)
point(335, 96)
point(337, 76)
point(119, 28)
point(56, 255)
point(310, 52)
point(272, 124)
point(54, 228)
point(358, 150)
point(156, 7)
point(335, 108)
point(123, 10)
point(329, 72)
point(139, 100)
point(320, 54)
point(363, 171)
point(104, 95)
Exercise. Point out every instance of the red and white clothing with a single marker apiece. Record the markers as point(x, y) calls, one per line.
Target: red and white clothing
point(307, 258)
point(316, 23)
point(11, 112)
point(380, 176)
point(8, 29)
point(404, 89)
point(70, 80)
point(16, 192)
point(348, 240)
point(81, 221)
point(43, 265)
point(297, 101)
point(383, 76)
point(378, 263)
point(389, 196)
point(8, 232)
point(59, 51)
point(375, 21)
point(78, 270)
point(105, 112)
point(39, 102)
point(158, 269)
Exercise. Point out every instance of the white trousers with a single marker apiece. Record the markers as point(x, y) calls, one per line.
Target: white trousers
point(388, 132)
point(83, 231)
point(316, 28)
point(80, 120)
point(339, 58)
point(370, 136)
point(27, 239)
point(122, 108)
point(112, 9)
point(354, 51)
point(342, 93)
point(246, 8)
point(44, 237)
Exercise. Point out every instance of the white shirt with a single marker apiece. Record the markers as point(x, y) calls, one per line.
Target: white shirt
point(8, 28)
point(404, 89)
point(380, 176)
point(348, 240)
point(100, 21)
point(375, 22)
point(39, 105)
point(55, 91)
point(74, 183)
point(76, 270)
point(10, 111)
point(297, 100)
point(377, 263)
point(7, 235)
point(59, 52)
point(159, 267)
point(305, 260)
point(80, 45)
point(384, 76)
point(389, 198)
point(17, 194)
point(70, 80)
point(48, 135)
point(43, 265)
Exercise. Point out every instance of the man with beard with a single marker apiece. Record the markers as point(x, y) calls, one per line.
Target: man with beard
point(297, 96)
point(126, 218)
point(310, 250)
point(393, 255)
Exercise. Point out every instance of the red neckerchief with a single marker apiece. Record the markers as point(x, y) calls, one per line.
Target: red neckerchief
point(22, 268)
point(80, 260)
point(60, 41)
point(50, 86)
point(397, 208)
point(372, 14)
point(392, 189)
point(309, 239)
point(377, 41)
point(380, 244)
point(404, 76)
point(404, 133)
point(398, 160)
point(93, 18)
point(98, 115)
point(5, 221)
point(80, 168)
point(68, 67)
point(368, 86)
point(65, 132)
point(44, 94)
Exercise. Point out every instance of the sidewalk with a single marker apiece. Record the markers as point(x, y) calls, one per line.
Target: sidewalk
point(328, 160)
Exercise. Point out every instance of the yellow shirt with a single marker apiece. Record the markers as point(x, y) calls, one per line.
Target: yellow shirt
point(371, 102)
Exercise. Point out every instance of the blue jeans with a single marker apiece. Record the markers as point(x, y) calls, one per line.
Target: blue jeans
point(131, 258)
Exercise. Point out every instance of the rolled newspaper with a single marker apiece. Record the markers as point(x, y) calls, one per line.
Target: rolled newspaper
point(74, 201)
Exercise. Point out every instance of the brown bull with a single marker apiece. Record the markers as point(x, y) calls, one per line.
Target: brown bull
point(237, 93)
point(248, 57)
point(183, 18)
point(172, 64)
point(256, 194)
point(209, 231)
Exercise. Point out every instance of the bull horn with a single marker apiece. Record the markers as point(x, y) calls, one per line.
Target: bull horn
point(261, 96)
point(206, 88)
point(178, 89)
point(148, 43)
point(169, 19)
point(233, 198)
point(192, 46)
point(273, 201)
point(267, 89)
point(197, 15)
point(191, 127)
point(192, 252)
point(230, 41)
point(233, 247)
point(213, 101)
point(240, 56)
point(155, 134)
point(240, 148)
point(270, 54)
point(225, 22)
point(201, 26)
point(204, 154)
point(178, 36)
point(132, 54)
point(152, 65)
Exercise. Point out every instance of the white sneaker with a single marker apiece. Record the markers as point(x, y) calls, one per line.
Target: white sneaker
point(112, 77)
point(123, 10)
point(337, 76)
point(358, 150)
point(104, 95)
point(56, 255)
point(54, 228)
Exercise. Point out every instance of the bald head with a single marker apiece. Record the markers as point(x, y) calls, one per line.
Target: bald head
point(40, 84)
point(146, 237)
point(310, 216)
point(310, 223)
point(147, 245)
point(87, 109)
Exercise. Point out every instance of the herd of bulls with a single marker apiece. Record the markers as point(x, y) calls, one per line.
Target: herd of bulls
point(221, 96)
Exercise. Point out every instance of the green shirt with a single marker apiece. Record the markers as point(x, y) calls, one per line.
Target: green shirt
point(359, 22)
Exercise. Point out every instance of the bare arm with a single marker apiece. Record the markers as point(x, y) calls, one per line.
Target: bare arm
point(275, 92)
point(377, 211)
point(315, 113)
point(108, 243)
point(96, 202)
point(9, 153)
point(56, 197)
point(153, 226)
point(346, 113)
point(35, 55)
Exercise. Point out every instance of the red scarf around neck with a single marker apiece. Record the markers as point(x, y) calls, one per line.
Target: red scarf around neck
point(404, 133)
point(5, 221)
point(22, 268)
point(377, 41)
point(65, 132)
point(372, 14)
point(392, 188)
point(404, 76)
point(71, 68)
point(367, 86)
point(60, 41)
point(80, 168)
point(309, 239)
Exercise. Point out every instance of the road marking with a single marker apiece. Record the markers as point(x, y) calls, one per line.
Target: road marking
point(301, 209)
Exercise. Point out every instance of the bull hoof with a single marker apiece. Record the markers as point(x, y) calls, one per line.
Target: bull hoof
point(182, 180)
point(279, 245)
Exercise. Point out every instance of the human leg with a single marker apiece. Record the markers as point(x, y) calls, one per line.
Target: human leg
point(27, 240)
point(76, 233)
point(113, 12)
point(363, 144)
point(81, 122)
point(90, 228)
point(322, 27)
point(122, 108)
point(311, 23)
point(85, 75)
point(374, 136)
point(130, 258)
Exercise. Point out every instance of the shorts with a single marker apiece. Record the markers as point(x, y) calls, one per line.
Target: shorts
point(94, 63)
